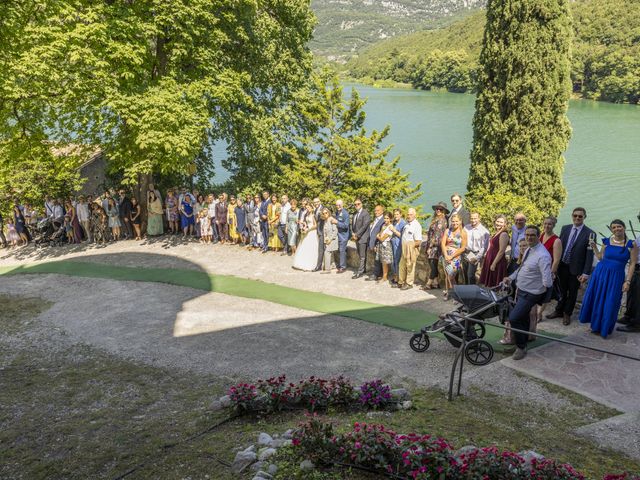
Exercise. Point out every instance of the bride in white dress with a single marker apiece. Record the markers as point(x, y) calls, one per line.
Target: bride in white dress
point(306, 257)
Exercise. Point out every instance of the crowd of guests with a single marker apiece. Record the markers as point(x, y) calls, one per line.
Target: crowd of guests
point(457, 246)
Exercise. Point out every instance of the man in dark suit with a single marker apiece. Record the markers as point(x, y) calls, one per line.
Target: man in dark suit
point(374, 230)
point(125, 207)
point(576, 264)
point(317, 213)
point(458, 209)
point(342, 221)
point(360, 235)
point(222, 212)
point(264, 220)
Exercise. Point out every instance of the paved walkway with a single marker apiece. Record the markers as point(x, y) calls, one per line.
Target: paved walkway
point(607, 379)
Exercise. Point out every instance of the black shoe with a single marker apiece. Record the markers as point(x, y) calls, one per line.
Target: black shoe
point(629, 329)
point(371, 278)
point(624, 320)
point(555, 315)
point(357, 275)
point(316, 269)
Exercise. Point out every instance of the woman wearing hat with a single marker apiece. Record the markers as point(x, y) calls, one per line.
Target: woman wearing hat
point(434, 236)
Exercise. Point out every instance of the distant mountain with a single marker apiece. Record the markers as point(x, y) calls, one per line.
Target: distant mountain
point(346, 26)
point(605, 64)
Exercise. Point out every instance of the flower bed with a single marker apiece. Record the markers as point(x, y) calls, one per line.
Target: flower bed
point(313, 393)
point(424, 457)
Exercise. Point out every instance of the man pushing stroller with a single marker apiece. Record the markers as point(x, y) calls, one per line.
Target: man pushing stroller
point(533, 281)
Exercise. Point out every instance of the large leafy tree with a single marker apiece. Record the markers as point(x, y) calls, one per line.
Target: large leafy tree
point(153, 82)
point(520, 125)
point(332, 156)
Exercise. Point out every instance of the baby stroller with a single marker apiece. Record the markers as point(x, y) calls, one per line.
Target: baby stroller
point(477, 304)
point(42, 231)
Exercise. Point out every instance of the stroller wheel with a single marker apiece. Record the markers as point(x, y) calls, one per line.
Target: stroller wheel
point(479, 330)
point(419, 342)
point(478, 352)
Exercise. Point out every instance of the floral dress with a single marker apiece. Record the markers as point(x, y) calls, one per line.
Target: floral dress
point(384, 252)
point(172, 209)
point(434, 235)
point(453, 243)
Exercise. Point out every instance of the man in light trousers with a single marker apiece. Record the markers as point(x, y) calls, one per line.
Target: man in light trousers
point(411, 240)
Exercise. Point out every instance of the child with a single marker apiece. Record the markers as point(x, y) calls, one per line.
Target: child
point(68, 228)
point(12, 233)
point(205, 226)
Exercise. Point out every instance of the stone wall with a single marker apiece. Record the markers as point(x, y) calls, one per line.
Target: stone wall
point(94, 173)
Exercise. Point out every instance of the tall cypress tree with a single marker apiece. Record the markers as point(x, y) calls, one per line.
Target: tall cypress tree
point(520, 127)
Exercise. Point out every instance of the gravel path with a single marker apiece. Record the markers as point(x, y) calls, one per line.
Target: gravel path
point(227, 336)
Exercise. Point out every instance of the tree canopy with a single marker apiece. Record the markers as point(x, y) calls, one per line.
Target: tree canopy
point(520, 126)
point(333, 156)
point(153, 82)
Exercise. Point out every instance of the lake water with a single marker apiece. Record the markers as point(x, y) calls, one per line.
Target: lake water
point(431, 131)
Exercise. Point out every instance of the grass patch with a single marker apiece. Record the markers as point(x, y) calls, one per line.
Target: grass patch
point(73, 411)
point(16, 313)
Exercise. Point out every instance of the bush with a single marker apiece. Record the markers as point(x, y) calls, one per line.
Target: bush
point(375, 394)
point(491, 204)
point(313, 393)
point(423, 457)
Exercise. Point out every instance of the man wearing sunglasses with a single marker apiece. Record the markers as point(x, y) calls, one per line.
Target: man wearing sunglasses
point(576, 264)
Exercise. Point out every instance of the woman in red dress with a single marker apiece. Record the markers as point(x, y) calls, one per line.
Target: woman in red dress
point(494, 268)
point(553, 244)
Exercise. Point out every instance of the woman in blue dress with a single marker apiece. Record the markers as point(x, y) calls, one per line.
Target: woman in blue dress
point(396, 243)
point(603, 296)
point(186, 216)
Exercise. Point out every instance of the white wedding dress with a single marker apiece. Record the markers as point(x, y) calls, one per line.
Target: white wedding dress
point(306, 257)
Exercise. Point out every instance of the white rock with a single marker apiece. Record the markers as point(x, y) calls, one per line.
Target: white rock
point(288, 434)
point(250, 448)
point(400, 394)
point(242, 461)
point(407, 404)
point(306, 465)
point(272, 469)
point(216, 405)
point(530, 455)
point(277, 442)
point(225, 401)
point(267, 453)
point(257, 466)
point(262, 476)
point(264, 439)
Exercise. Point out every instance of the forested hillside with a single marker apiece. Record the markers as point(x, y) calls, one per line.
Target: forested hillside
point(605, 64)
point(346, 26)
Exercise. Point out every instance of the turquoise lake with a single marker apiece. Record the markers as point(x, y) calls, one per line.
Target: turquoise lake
point(431, 131)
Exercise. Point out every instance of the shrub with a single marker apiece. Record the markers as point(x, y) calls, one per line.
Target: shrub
point(375, 394)
point(313, 393)
point(423, 457)
point(244, 396)
point(316, 439)
point(490, 204)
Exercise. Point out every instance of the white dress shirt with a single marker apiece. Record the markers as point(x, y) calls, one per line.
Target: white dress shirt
point(477, 241)
point(284, 210)
point(412, 232)
point(534, 274)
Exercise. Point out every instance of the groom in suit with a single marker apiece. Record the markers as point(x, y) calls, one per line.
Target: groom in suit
point(360, 235)
point(575, 266)
point(341, 219)
point(374, 230)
